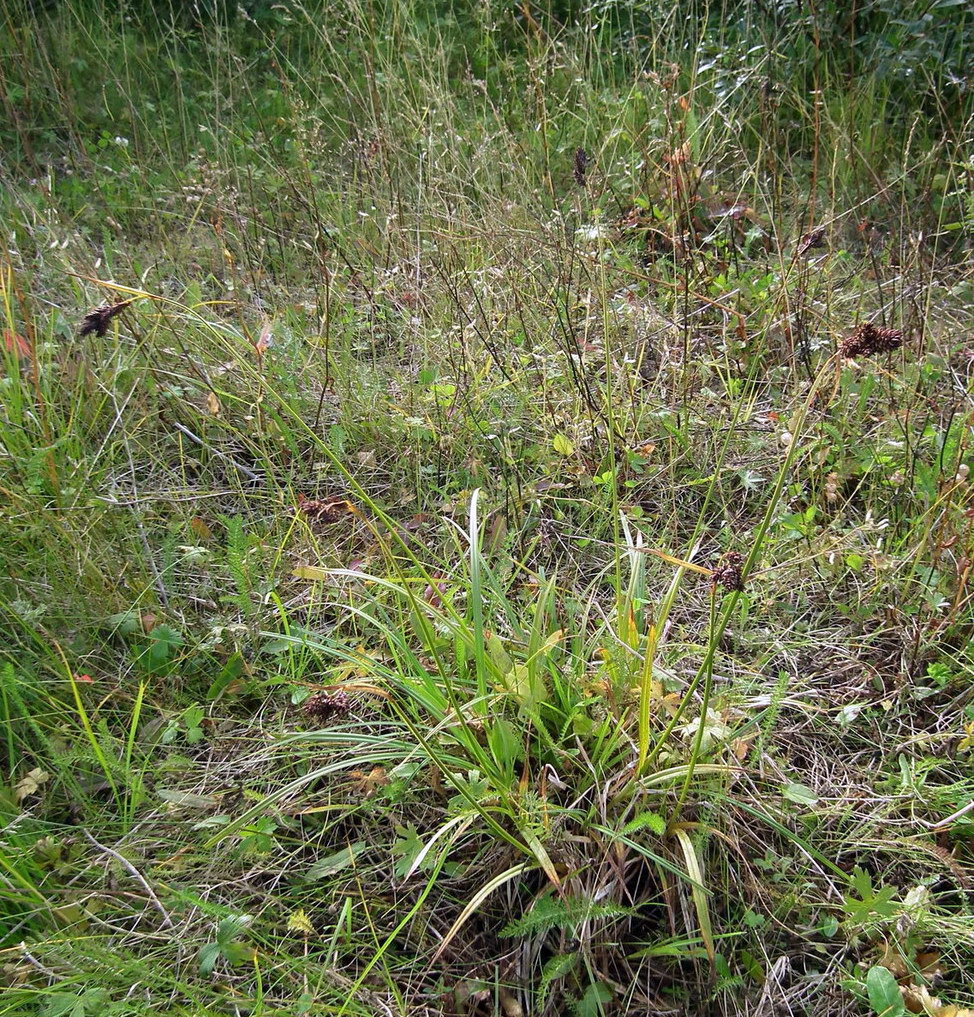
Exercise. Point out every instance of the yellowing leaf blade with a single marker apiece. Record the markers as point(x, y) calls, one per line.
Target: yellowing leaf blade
point(562, 445)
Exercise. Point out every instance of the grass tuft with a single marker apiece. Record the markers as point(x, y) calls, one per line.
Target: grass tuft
point(485, 508)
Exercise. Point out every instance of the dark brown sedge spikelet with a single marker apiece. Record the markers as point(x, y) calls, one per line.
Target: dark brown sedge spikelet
point(325, 510)
point(868, 339)
point(811, 240)
point(728, 572)
point(326, 706)
point(97, 320)
point(580, 166)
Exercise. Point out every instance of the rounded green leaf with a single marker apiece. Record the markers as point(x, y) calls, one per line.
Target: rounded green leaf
point(884, 994)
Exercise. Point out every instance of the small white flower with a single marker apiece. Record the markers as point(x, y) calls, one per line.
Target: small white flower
point(871, 522)
point(847, 715)
point(714, 730)
point(193, 554)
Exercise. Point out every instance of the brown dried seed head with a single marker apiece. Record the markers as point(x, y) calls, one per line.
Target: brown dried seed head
point(580, 166)
point(326, 706)
point(867, 340)
point(97, 320)
point(325, 510)
point(811, 240)
point(728, 572)
point(832, 482)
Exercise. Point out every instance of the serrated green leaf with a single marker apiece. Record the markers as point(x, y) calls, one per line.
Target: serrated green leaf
point(645, 821)
point(557, 967)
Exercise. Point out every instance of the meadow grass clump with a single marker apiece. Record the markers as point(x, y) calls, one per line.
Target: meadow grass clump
point(486, 522)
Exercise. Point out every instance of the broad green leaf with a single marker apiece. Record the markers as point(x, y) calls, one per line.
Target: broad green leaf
point(884, 994)
point(592, 1004)
point(800, 794)
point(333, 863)
point(500, 658)
point(209, 955)
point(562, 445)
point(505, 746)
